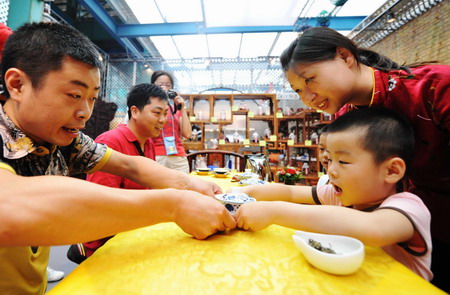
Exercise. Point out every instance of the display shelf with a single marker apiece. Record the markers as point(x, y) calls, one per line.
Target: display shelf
point(256, 118)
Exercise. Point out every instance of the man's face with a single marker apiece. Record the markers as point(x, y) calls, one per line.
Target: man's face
point(57, 110)
point(151, 119)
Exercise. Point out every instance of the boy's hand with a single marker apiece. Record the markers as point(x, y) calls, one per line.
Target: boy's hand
point(201, 216)
point(253, 216)
point(202, 186)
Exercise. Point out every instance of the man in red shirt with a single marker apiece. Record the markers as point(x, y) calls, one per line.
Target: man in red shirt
point(147, 113)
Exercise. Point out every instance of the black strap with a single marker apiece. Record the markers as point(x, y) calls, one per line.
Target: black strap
point(138, 147)
point(1, 148)
point(314, 195)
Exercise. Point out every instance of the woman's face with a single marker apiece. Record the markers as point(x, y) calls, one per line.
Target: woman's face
point(164, 82)
point(325, 85)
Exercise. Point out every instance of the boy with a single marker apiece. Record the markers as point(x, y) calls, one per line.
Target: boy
point(369, 151)
point(51, 75)
point(147, 114)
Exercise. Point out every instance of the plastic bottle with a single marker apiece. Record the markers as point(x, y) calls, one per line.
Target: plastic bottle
point(305, 168)
point(236, 136)
point(314, 138)
point(200, 115)
point(267, 108)
point(255, 137)
point(260, 110)
point(223, 115)
point(292, 136)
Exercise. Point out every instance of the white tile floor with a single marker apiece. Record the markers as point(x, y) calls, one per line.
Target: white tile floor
point(59, 261)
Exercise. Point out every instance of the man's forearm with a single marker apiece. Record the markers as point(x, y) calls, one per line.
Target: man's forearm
point(53, 206)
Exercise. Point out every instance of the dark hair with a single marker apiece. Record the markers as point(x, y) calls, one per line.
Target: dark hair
point(160, 73)
point(388, 133)
point(140, 95)
point(323, 130)
point(39, 48)
point(320, 44)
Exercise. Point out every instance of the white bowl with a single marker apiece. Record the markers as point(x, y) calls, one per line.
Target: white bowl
point(347, 260)
point(221, 170)
point(232, 201)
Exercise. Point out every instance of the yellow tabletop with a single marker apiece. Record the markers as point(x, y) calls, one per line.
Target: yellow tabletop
point(162, 259)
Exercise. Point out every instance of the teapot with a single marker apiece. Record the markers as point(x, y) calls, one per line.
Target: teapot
point(259, 165)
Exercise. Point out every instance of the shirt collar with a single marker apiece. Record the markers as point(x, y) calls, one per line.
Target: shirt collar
point(129, 135)
point(16, 144)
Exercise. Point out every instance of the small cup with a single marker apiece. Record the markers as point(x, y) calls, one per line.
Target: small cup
point(232, 201)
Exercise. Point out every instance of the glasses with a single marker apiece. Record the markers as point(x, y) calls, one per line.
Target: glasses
point(165, 85)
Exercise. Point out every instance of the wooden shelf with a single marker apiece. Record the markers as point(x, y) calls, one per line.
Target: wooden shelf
point(305, 123)
point(262, 117)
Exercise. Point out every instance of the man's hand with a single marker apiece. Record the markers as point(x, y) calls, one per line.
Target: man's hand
point(202, 186)
point(201, 216)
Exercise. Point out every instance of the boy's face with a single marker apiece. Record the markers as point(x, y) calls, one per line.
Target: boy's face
point(57, 110)
point(322, 85)
point(151, 119)
point(323, 157)
point(352, 170)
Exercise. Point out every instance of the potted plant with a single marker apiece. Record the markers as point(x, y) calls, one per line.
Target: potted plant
point(289, 175)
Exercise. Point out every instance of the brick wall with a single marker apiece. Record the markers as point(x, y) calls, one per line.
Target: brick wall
point(423, 39)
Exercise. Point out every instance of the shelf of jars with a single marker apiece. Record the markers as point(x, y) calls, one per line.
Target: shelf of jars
point(247, 123)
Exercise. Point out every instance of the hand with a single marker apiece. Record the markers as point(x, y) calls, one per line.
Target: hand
point(253, 216)
point(178, 100)
point(202, 186)
point(201, 216)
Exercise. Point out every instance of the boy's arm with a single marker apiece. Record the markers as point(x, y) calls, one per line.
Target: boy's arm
point(149, 173)
point(281, 192)
point(377, 228)
point(57, 210)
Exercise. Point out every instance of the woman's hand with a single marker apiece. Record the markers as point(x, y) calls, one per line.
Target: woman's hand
point(178, 100)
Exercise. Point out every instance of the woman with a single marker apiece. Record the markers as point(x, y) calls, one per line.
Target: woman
point(169, 145)
point(329, 72)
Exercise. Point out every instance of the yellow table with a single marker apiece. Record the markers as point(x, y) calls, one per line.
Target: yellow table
point(162, 259)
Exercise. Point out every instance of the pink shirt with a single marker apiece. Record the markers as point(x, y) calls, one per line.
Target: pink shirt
point(415, 253)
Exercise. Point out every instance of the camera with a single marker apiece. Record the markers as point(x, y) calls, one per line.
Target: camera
point(171, 94)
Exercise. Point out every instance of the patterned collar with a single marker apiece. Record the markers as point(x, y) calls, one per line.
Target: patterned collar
point(17, 144)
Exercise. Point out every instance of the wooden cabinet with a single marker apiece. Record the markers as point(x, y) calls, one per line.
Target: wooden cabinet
point(254, 123)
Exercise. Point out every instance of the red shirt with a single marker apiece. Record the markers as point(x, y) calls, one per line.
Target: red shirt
point(121, 139)
point(424, 99)
point(171, 128)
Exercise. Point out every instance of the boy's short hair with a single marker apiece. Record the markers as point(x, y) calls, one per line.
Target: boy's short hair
point(388, 134)
point(323, 130)
point(140, 95)
point(39, 48)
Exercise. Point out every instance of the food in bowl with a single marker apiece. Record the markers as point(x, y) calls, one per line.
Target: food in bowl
point(340, 255)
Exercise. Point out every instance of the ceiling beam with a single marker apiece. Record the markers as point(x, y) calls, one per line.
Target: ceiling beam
point(99, 13)
point(345, 23)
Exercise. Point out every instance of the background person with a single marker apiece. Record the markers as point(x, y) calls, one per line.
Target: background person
point(147, 112)
point(328, 71)
point(169, 147)
point(369, 151)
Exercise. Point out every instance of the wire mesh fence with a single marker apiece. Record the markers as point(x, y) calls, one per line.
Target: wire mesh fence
point(250, 75)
